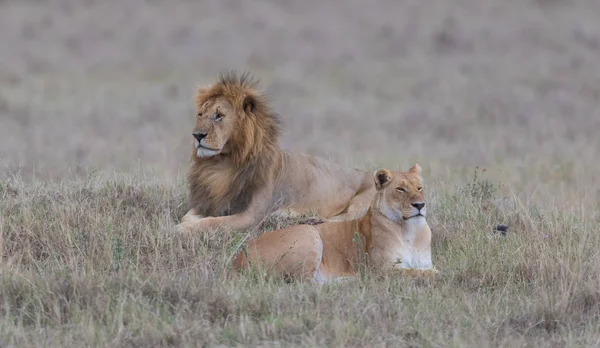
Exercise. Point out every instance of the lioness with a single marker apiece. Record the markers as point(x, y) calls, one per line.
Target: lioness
point(239, 175)
point(393, 233)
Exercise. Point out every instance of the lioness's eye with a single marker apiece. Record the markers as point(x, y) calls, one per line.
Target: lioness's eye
point(400, 189)
point(199, 115)
point(420, 189)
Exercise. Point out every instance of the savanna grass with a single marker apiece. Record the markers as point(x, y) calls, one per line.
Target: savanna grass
point(95, 263)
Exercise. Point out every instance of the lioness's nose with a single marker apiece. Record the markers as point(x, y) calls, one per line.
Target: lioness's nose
point(199, 135)
point(418, 205)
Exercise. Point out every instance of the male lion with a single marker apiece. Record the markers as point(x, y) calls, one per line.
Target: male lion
point(239, 175)
point(393, 234)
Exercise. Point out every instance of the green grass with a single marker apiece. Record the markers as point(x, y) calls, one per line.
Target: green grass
point(94, 263)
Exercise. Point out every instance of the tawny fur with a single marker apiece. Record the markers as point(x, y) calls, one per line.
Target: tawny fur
point(239, 175)
point(392, 235)
point(224, 184)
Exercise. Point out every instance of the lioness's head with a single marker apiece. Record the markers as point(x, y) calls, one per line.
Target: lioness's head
point(232, 117)
point(400, 196)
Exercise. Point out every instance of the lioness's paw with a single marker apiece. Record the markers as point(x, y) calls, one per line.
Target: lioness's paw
point(430, 272)
point(416, 272)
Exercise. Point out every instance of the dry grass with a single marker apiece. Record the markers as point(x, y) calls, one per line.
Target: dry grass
point(95, 114)
point(94, 263)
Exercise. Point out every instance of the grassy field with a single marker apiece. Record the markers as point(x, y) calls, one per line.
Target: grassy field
point(497, 100)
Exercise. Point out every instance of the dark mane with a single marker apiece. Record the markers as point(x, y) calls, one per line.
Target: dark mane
point(253, 144)
point(236, 88)
point(245, 80)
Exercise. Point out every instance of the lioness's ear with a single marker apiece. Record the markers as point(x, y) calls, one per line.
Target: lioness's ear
point(416, 169)
point(249, 104)
point(382, 178)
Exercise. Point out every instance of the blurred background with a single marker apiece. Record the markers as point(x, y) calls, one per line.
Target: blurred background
point(109, 85)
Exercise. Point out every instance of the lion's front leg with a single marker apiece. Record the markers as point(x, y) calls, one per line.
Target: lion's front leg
point(189, 221)
point(253, 215)
point(191, 216)
point(210, 223)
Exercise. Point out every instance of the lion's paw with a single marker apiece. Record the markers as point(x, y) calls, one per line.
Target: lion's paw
point(182, 228)
point(197, 223)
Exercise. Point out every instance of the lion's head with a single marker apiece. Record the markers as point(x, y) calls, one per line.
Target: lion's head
point(400, 195)
point(233, 119)
point(235, 145)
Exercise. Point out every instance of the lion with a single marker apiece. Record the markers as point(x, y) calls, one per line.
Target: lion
point(392, 235)
point(238, 174)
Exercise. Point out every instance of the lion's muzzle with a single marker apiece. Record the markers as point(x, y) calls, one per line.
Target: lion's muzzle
point(199, 136)
point(202, 150)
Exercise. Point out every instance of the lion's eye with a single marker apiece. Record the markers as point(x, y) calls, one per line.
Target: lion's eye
point(420, 189)
point(400, 189)
point(199, 114)
point(218, 117)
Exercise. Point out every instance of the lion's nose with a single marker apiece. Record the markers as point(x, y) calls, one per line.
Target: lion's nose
point(418, 205)
point(199, 135)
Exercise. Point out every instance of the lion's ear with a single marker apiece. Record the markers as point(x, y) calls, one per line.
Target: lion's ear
point(382, 178)
point(249, 104)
